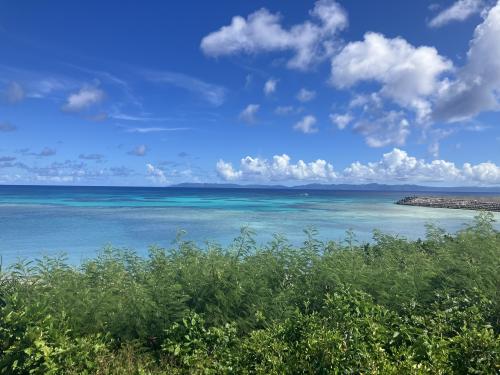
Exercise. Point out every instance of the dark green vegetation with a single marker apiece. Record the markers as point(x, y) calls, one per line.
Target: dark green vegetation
point(391, 307)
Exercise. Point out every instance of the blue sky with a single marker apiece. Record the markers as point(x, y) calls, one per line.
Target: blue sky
point(157, 93)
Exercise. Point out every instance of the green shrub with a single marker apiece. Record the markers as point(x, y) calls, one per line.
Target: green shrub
point(392, 306)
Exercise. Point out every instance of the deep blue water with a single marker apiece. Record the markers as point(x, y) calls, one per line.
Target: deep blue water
point(38, 220)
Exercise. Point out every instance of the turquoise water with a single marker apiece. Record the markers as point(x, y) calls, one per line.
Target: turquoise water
point(79, 221)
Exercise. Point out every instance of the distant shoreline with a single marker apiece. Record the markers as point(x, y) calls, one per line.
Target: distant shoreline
point(464, 203)
point(370, 187)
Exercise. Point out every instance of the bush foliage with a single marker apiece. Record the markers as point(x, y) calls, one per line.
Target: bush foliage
point(392, 306)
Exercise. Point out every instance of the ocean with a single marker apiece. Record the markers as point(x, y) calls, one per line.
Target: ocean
point(79, 221)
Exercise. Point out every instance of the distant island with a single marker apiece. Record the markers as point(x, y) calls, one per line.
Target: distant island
point(346, 187)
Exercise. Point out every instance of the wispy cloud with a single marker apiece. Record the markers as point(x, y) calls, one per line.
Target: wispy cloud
point(46, 151)
point(305, 95)
point(37, 84)
point(211, 93)
point(154, 130)
point(248, 114)
point(14, 93)
point(143, 117)
point(7, 127)
point(96, 157)
point(112, 79)
point(458, 11)
point(140, 150)
point(4, 159)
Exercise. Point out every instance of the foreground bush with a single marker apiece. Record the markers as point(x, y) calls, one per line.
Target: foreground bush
point(393, 306)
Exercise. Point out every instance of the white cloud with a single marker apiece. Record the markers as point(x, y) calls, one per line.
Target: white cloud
point(487, 173)
point(476, 88)
point(227, 172)
point(153, 130)
point(390, 128)
point(458, 11)
point(434, 137)
point(408, 74)
point(83, 99)
point(395, 166)
point(279, 169)
point(305, 95)
point(22, 83)
point(306, 125)
point(116, 114)
point(367, 102)
point(284, 110)
point(248, 114)
point(155, 174)
point(211, 93)
point(14, 93)
point(69, 171)
point(140, 150)
point(262, 31)
point(270, 86)
point(341, 121)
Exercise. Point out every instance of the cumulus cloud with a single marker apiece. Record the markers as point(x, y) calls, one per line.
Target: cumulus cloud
point(458, 11)
point(407, 74)
point(391, 128)
point(395, 166)
point(226, 171)
point(487, 173)
point(306, 125)
point(140, 150)
point(248, 114)
point(83, 99)
point(341, 121)
point(155, 174)
point(14, 93)
point(477, 85)
point(379, 126)
point(270, 86)
point(262, 31)
point(305, 95)
point(279, 169)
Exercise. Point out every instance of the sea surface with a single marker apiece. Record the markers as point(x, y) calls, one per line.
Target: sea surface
point(80, 221)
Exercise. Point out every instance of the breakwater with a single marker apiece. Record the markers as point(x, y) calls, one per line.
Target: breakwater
point(486, 204)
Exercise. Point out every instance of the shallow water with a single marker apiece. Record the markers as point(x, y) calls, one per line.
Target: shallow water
point(79, 221)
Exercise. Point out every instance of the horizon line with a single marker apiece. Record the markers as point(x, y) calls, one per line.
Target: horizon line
point(222, 185)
